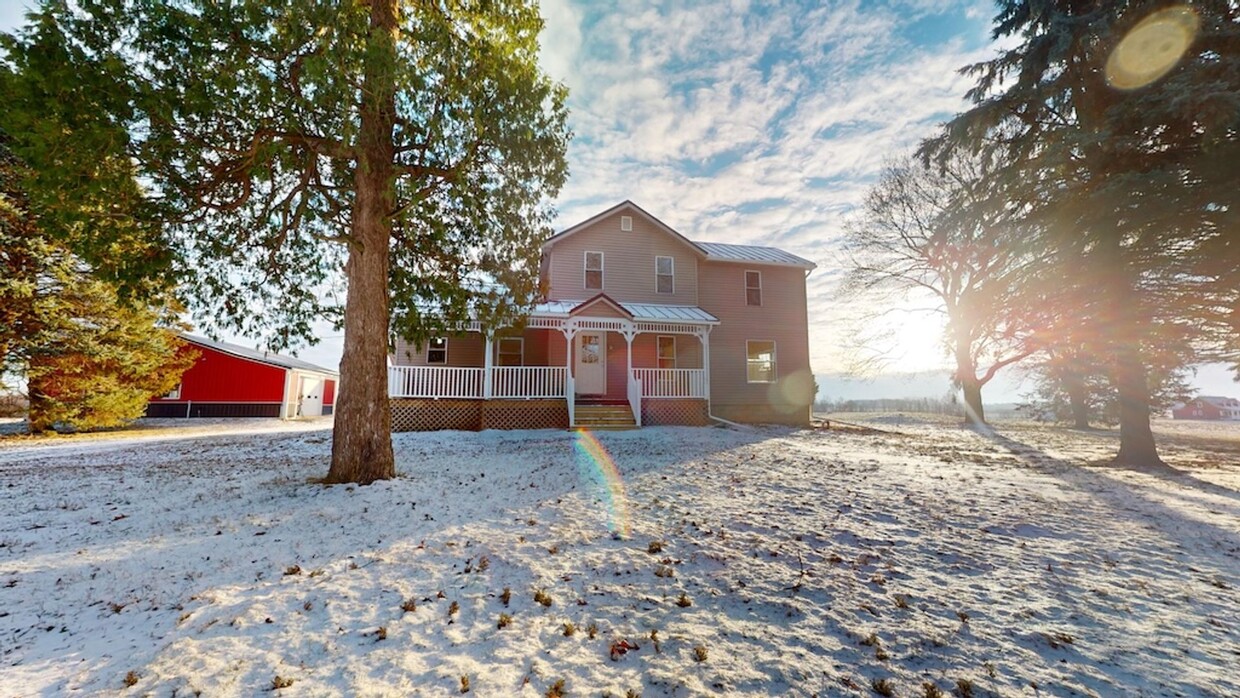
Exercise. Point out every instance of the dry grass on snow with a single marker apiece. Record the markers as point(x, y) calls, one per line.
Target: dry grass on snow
point(918, 560)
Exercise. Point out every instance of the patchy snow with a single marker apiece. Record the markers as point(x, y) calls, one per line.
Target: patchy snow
point(810, 562)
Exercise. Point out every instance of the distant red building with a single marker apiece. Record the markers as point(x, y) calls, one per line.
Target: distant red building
point(229, 380)
point(1208, 407)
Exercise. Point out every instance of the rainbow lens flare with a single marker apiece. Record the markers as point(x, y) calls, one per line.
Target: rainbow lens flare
point(597, 466)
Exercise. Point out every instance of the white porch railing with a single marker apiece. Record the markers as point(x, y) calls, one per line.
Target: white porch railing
point(635, 399)
point(435, 382)
point(528, 381)
point(522, 382)
point(672, 382)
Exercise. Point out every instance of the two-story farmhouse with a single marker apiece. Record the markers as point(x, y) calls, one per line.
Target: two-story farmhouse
point(639, 326)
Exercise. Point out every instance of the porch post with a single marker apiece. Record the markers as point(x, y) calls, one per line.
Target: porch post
point(704, 338)
point(487, 386)
point(569, 329)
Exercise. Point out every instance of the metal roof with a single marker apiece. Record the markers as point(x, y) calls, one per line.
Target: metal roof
point(724, 252)
point(265, 357)
point(641, 312)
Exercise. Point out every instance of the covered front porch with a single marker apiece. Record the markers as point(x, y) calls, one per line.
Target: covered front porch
point(585, 360)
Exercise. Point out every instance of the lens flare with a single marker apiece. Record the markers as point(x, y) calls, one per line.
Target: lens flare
point(597, 465)
point(1152, 48)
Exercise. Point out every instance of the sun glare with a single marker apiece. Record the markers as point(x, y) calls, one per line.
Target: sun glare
point(1152, 48)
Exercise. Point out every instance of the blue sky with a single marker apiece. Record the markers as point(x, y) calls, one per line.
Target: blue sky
point(759, 123)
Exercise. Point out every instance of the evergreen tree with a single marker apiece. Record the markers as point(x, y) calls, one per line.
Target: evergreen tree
point(416, 144)
point(1132, 167)
point(90, 359)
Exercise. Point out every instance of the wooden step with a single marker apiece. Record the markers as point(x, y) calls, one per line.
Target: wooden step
point(604, 417)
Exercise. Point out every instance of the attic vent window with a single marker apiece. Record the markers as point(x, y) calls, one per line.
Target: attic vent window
point(626, 223)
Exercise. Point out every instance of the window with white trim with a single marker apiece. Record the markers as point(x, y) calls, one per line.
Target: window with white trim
point(753, 288)
point(761, 360)
point(594, 271)
point(664, 275)
point(626, 223)
point(510, 351)
point(437, 351)
point(174, 394)
point(667, 351)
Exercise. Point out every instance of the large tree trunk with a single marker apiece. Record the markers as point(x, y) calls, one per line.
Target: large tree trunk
point(1128, 373)
point(1136, 438)
point(1078, 398)
point(362, 437)
point(970, 386)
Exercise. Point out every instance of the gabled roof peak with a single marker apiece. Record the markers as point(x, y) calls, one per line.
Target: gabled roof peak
point(710, 251)
point(626, 204)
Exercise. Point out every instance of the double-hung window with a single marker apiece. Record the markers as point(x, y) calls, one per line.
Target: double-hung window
point(594, 271)
point(753, 288)
point(667, 351)
point(665, 275)
point(510, 351)
point(761, 361)
point(437, 351)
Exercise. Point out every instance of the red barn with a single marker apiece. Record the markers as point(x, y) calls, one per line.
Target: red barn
point(229, 380)
point(1208, 407)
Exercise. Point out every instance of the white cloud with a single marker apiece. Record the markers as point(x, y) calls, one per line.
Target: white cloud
point(762, 126)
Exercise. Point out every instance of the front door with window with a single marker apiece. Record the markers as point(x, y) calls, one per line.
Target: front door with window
point(591, 363)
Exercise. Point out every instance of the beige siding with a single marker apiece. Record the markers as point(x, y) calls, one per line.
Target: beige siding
point(464, 350)
point(467, 350)
point(781, 318)
point(628, 263)
point(645, 351)
point(601, 308)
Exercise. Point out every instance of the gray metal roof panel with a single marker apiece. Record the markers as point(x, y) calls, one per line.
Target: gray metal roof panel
point(641, 312)
point(721, 251)
point(265, 357)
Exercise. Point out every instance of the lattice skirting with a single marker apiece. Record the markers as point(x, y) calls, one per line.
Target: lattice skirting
point(669, 412)
point(433, 415)
point(525, 414)
point(472, 415)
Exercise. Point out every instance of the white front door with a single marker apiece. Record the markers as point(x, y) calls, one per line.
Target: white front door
point(591, 362)
point(310, 397)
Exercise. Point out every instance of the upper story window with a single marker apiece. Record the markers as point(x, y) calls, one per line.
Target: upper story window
point(665, 275)
point(667, 351)
point(510, 351)
point(174, 394)
point(594, 271)
point(761, 361)
point(626, 223)
point(437, 350)
point(753, 288)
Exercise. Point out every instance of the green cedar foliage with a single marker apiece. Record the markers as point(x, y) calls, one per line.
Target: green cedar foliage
point(100, 359)
point(68, 114)
point(90, 358)
point(247, 116)
point(1140, 184)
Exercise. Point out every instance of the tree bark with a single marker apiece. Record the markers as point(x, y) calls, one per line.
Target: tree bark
point(970, 386)
point(1136, 438)
point(1078, 400)
point(362, 436)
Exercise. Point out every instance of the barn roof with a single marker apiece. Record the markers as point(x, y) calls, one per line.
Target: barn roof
point(260, 356)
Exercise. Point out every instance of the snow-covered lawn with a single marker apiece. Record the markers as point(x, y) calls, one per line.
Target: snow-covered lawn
point(729, 562)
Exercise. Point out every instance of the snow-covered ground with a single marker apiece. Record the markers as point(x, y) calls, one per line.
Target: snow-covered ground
point(727, 562)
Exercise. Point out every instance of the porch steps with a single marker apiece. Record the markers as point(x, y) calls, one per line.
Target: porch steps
point(604, 417)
